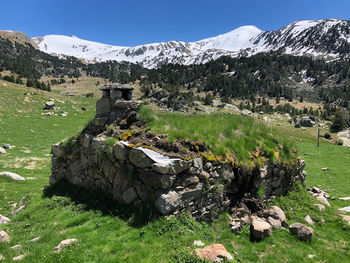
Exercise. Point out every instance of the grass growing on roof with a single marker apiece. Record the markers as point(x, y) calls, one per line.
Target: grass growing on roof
point(223, 133)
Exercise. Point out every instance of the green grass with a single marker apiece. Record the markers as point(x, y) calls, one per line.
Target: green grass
point(223, 133)
point(111, 233)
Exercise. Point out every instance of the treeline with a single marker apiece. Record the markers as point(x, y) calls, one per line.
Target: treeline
point(30, 63)
point(260, 75)
point(34, 83)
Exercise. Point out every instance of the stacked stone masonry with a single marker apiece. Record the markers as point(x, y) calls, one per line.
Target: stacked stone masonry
point(140, 176)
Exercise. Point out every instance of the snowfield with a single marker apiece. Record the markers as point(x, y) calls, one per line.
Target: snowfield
point(298, 38)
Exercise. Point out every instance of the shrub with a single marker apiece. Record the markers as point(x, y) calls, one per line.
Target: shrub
point(327, 136)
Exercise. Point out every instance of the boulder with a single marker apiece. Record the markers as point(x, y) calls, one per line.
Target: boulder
point(64, 244)
point(13, 176)
point(2, 151)
point(49, 105)
point(129, 195)
point(322, 199)
point(4, 237)
point(4, 220)
point(166, 201)
point(305, 121)
point(301, 231)
point(276, 213)
point(275, 223)
point(120, 151)
point(259, 229)
point(214, 253)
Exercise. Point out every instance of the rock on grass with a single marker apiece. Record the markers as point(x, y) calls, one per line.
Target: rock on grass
point(13, 176)
point(64, 244)
point(301, 231)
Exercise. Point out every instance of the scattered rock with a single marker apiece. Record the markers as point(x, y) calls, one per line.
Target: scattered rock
point(198, 243)
point(324, 169)
point(346, 218)
point(344, 136)
point(64, 244)
point(13, 176)
point(18, 210)
point(4, 220)
point(275, 224)
point(8, 146)
point(310, 256)
point(305, 121)
point(321, 207)
point(83, 109)
point(276, 213)
point(301, 231)
point(246, 112)
point(2, 257)
point(345, 209)
point(309, 220)
point(35, 239)
point(214, 253)
point(2, 151)
point(20, 257)
point(344, 198)
point(235, 226)
point(16, 247)
point(4, 237)
point(259, 229)
point(322, 199)
point(50, 113)
point(64, 114)
point(49, 105)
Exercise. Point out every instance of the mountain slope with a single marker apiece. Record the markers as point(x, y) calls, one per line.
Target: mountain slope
point(329, 39)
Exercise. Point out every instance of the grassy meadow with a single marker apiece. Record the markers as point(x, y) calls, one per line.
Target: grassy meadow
point(107, 232)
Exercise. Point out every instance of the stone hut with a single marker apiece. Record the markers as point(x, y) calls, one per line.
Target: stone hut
point(138, 175)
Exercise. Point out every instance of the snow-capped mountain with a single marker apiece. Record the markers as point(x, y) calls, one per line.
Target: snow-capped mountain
point(327, 38)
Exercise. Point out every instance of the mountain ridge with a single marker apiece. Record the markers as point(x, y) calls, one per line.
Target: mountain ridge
point(328, 39)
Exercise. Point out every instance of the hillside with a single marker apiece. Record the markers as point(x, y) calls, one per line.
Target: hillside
point(328, 39)
point(110, 233)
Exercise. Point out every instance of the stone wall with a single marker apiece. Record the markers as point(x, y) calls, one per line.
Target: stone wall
point(139, 175)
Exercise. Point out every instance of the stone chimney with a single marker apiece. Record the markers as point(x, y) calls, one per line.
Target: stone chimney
point(116, 102)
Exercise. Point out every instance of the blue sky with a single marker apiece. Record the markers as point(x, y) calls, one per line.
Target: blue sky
point(129, 23)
